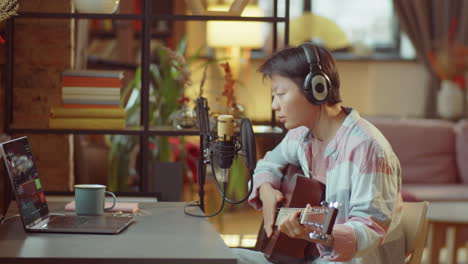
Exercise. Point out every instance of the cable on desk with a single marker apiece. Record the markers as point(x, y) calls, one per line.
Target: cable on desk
point(197, 203)
point(4, 219)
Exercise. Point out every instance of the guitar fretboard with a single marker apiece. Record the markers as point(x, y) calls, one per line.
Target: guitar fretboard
point(283, 213)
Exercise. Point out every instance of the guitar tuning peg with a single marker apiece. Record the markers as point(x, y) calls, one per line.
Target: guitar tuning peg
point(313, 235)
point(325, 238)
point(332, 204)
point(335, 204)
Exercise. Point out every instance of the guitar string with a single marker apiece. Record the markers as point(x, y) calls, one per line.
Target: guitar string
point(289, 211)
point(294, 209)
point(282, 211)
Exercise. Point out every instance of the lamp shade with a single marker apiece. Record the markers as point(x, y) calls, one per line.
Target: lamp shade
point(235, 33)
point(309, 26)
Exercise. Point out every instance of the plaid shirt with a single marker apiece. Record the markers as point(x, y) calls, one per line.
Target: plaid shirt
point(361, 172)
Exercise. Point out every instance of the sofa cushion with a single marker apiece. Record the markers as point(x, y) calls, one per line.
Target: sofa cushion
point(408, 197)
point(425, 148)
point(437, 192)
point(461, 129)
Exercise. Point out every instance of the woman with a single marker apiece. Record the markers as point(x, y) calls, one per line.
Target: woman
point(334, 145)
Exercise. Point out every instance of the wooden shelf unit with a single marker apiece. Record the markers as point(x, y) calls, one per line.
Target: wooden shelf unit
point(146, 17)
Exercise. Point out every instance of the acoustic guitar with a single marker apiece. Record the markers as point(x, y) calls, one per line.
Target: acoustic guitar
point(298, 192)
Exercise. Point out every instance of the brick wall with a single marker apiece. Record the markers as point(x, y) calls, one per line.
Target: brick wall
point(2, 91)
point(2, 176)
point(2, 189)
point(42, 50)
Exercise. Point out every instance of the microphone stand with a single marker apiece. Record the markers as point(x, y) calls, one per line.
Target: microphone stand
point(203, 159)
point(201, 171)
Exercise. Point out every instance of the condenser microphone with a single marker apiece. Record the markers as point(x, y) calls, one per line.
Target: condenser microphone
point(225, 148)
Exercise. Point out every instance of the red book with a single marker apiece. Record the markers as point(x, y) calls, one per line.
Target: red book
point(91, 81)
point(89, 106)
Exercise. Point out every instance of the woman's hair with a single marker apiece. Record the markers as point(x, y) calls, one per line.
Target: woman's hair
point(292, 63)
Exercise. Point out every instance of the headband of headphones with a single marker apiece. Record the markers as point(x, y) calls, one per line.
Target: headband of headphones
point(315, 59)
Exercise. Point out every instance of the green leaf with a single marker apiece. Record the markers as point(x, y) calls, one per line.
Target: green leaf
point(182, 45)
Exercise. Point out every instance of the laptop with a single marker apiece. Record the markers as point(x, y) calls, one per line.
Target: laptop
point(32, 204)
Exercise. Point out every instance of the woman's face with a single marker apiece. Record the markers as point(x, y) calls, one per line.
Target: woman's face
point(290, 104)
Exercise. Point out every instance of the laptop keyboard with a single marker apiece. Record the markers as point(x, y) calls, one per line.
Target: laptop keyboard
point(67, 221)
point(85, 224)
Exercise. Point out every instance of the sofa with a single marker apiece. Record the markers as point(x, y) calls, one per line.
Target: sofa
point(433, 155)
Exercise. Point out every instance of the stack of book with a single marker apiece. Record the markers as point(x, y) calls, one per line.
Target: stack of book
point(90, 100)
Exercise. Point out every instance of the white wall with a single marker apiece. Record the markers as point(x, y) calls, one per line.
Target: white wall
point(384, 88)
point(391, 88)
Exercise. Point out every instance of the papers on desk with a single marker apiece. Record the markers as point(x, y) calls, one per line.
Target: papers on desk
point(119, 207)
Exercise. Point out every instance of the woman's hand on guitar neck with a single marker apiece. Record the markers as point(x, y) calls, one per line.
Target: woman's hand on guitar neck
point(270, 198)
point(294, 229)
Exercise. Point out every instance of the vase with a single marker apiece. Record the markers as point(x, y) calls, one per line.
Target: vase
point(450, 100)
point(184, 118)
point(96, 6)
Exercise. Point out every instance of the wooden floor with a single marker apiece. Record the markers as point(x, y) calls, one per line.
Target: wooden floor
point(238, 219)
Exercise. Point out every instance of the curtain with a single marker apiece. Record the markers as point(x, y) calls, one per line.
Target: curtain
point(431, 24)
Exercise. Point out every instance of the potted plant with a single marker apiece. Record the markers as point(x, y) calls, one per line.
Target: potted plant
point(170, 75)
point(8, 8)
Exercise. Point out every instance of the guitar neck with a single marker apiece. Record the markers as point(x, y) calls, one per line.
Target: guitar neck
point(284, 213)
point(318, 216)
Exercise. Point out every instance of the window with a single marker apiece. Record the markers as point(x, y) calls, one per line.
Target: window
point(366, 22)
point(364, 28)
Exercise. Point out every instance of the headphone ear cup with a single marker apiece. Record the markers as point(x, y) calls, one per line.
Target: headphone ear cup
point(320, 87)
point(317, 85)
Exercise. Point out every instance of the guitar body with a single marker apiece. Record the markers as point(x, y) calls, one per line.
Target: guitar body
point(298, 191)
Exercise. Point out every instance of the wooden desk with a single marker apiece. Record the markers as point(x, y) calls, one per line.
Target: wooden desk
point(165, 235)
point(444, 217)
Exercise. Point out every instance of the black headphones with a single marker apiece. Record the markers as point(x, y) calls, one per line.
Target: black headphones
point(317, 85)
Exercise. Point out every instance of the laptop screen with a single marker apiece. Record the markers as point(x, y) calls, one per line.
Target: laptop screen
point(25, 180)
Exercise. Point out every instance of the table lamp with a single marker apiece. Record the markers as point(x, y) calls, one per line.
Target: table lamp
point(309, 26)
point(232, 36)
